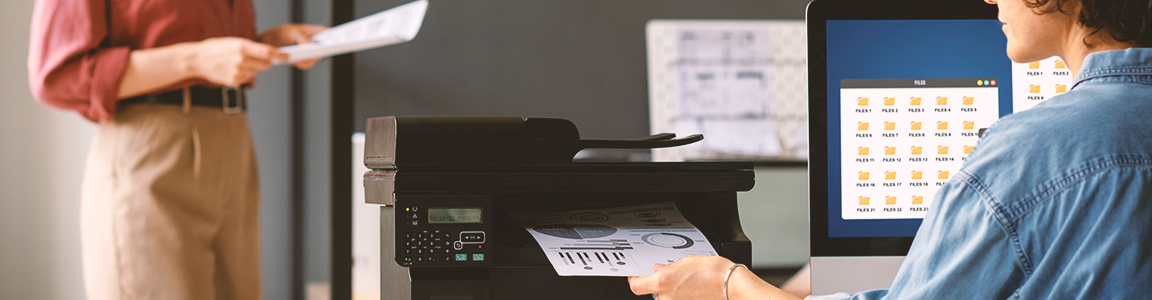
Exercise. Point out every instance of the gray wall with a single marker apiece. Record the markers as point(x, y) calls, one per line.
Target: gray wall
point(316, 169)
point(270, 117)
point(42, 154)
point(580, 60)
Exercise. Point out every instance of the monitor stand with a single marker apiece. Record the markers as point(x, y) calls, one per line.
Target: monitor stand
point(853, 274)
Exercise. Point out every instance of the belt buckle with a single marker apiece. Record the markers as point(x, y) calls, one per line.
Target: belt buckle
point(232, 109)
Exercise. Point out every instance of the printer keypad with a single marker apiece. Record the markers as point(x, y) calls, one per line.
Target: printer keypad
point(439, 247)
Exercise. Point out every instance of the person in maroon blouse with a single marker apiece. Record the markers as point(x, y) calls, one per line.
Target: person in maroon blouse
point(170, 198)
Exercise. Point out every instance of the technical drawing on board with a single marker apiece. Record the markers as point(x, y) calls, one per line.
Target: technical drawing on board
point(740, 83)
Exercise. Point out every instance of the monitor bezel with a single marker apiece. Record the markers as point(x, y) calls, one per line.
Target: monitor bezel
point(817, 15)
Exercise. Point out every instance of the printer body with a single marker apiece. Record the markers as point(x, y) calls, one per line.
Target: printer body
point(446, 185)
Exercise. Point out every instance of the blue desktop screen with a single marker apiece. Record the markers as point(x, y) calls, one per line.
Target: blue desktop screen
point(869, 62)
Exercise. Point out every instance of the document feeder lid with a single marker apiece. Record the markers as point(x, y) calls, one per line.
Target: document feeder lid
point(397, 142)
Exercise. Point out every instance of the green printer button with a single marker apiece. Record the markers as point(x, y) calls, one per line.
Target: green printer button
point(478, 257)
point(461, 257)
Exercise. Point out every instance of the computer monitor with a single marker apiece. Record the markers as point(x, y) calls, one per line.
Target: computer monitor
point(898, 93)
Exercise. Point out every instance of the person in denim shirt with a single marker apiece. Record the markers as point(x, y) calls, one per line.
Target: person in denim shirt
point(1054, 203)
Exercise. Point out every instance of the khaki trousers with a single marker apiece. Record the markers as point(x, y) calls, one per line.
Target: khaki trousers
point(170, 205)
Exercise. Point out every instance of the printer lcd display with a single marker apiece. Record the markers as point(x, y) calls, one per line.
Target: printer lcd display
point(455, 215)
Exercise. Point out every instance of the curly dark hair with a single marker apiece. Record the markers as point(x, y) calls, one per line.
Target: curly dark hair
point(1128, 21)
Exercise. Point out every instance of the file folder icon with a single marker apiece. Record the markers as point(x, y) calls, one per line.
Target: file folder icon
point(862, 125)
point(889, 200)
point(915, 100)
point(1032, 88)
point(917, 199)
point(968, 149)
point(1060, 88)
point(969, 100)
point(864, 175)
point(941, 125)
point(941, 100)
point(1034, 65)
point(861, 101)
point(889, 150)
point(917, 175)
point(889, 175)
point(864, 200)
point(943, 174)
point(969, 125)
point(863, 150)
point(889, 126)
point(941, 149)
point(889, 101)
point(916, 125)
point(916, 150)
point(1059, 64)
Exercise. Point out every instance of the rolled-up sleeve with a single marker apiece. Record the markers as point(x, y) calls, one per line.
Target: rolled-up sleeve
point(69, 64)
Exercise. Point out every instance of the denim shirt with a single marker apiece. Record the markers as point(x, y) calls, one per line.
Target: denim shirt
point(1055, 202)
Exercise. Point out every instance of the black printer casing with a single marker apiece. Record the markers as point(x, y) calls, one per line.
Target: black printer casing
point(514, 266)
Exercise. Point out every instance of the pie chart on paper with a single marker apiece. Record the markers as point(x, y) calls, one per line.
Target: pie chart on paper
point(668, 240)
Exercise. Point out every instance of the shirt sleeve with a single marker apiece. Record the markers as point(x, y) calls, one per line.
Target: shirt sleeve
point(961, 251)
point(1098, 243)
point(69, 64)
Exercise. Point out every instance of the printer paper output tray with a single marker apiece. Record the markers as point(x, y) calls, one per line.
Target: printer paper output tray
point(516, 268)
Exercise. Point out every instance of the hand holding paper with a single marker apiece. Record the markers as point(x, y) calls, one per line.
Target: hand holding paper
point(292, 34)
point(620, 241)
point(389, 27)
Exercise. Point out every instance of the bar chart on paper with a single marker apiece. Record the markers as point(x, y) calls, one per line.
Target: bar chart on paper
point(591, 260)
point(618, 241)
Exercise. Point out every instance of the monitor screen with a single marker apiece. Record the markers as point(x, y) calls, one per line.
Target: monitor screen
point(906, 100)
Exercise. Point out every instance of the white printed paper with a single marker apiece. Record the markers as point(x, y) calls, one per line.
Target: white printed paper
point(622, 241)
point(393, 26)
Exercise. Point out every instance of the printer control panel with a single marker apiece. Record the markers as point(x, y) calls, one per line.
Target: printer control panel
point(443, 231)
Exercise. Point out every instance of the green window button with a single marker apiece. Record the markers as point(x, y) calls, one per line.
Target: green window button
point(478, 257)
point(461, 257)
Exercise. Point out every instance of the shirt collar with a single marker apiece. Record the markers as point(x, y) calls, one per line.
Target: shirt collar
point(1131, 61)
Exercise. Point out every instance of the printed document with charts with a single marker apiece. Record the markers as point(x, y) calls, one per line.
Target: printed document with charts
point(621, 241)
point(397, 25)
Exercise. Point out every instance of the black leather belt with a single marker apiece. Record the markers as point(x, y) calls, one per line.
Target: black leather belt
point(231, 100)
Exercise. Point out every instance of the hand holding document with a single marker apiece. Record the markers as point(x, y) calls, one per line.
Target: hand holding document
point(397, 25)
point(621, 241)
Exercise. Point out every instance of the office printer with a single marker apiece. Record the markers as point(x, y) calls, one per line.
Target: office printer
point(446, 185)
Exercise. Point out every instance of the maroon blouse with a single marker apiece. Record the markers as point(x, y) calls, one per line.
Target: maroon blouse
point(79, 48)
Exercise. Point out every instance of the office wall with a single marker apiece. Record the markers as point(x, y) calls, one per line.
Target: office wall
point(42, 155)
point(316, 168)
point(580, 60)
point(270, 118)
